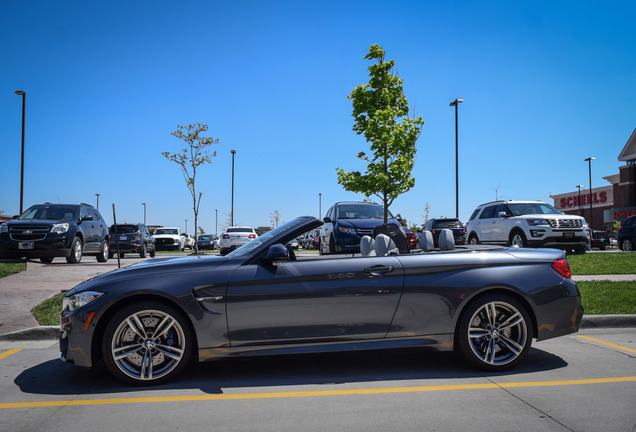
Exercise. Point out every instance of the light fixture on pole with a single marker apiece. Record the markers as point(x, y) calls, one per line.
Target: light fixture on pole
point(23, 94)
point(186, 225)
point(97, 195)
point(589, 161)
point(232, 210)
point(144, 204)
point(579, 186)
point(456, 103)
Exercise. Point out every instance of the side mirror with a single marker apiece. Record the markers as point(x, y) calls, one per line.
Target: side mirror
point(276, 253)
point(503, 215)
point(327, 220)
point(87, 218)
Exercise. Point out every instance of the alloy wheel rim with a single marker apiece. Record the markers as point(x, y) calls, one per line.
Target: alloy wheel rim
point(148, 345)
point(497, 333)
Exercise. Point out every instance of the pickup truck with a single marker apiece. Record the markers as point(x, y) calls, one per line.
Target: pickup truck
point(169, 238)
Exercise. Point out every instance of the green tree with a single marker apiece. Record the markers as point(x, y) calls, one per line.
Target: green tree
point(190, 159)
point(381, 114)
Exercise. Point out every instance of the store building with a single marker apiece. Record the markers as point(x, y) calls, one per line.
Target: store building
point(609, 203)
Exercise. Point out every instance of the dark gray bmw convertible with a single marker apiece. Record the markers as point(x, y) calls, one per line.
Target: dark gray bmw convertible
point(147, 321)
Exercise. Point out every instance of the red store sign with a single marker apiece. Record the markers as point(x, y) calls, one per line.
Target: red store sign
point(573, 201)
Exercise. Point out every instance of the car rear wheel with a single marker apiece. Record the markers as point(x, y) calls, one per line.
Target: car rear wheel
point(627, 245)
point(147, 343)
point(76, 251)
point(103, 254)
point(142, 252)
point(494, 333)
point(473, 240)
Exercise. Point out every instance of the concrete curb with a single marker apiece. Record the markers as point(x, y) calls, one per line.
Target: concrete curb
point(53, 332)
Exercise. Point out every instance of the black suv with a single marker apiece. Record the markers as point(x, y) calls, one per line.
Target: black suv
point(435, 226)
point(48, 230)
point(131, 238)
point(626, 235)
point(347, 222)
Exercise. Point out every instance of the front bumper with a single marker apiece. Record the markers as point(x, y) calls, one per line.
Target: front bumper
point(53, 247)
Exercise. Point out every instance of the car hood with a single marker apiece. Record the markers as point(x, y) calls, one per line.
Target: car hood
point(152, 267)
point(49, 222)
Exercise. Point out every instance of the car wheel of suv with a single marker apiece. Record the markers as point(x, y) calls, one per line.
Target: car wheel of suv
point(75, 255)
point(147, 343)
point(627, 245)
point(494, 332)
point(152, 253)
point(332, 244)
point(518, 239)
point(103, 254)
point(142, 252)
point(46, 260)
point(473, 240)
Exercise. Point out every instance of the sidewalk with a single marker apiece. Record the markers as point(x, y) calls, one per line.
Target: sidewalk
point(21, 292)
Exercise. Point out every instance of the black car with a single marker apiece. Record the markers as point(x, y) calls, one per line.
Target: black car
point(627, 235)
point(131, 238)
point(207, 241)
point(599, 239)
point(148, 320)
point(435, 226)
point(46, 231)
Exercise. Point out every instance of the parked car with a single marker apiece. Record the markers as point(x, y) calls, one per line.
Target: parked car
point(46, 231)
point(293, 244)
point(600, 239)
point(346, 222)
point(188, 241)
point(411, 238)
point(169, 238)
point(484, 302)
point(627, 235)
point(435, 226)
point(131, 238)
point(312, 240)
point(207, 241)
point(527, 224)
point(235, 237)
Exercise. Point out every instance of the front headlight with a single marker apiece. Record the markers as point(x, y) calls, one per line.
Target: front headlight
point(535, 222)
point(347, 230)
point(79, 300)
point(59, 228)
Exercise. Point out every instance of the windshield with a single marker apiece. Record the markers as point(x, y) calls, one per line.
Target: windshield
point(361, 211)
point(532, 208)
point(205, 237)
point(50, 212)
point(169, 231)
point(249, 247)
point(448, 224)
point(124, 229)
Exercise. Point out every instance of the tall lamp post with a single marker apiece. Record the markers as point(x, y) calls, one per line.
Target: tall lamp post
point(23, 94)
point(319, 205)
point(589, 161)
point(216, 224)
point(232, 210)
point(97, 195)
point(144, 204)
point(456, 103)
point(580, 186)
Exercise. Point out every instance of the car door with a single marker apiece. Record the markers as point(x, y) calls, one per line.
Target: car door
point(319, 300)
point(501, 225)
point(90, 228)
point(326, 229)
point(485, 224)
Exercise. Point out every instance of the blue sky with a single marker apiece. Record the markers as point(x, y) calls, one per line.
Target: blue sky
point(545, 83)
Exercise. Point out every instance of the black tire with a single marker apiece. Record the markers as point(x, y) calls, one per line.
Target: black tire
point(110, 254)
point(142, 252)
point(627, 245)
point(332, 245)
point(518, 238)
point(473, 240)
point(494, 333)
point(152, 253)
point(46, 260)
point(104, 252)
point(157, 349)
point(75, 254)
point(121, 254)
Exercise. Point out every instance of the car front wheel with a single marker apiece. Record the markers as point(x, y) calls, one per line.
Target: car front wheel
point(147, 343)
point(104, 253)
point(494, 333)
point(473, 240)
point(76, 251)
point(518, 239)
point(627, 245)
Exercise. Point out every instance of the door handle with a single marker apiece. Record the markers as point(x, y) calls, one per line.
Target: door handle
point(379, 270)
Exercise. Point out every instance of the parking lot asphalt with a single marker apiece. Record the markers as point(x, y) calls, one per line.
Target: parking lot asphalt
point(21, 292)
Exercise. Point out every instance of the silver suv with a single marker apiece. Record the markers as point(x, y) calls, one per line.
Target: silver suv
point(527, 224)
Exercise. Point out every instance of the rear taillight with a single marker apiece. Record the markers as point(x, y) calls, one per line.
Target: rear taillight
point(225, 236)
point(138, 236)
point(562, 267)
point(433, 230)
point(252, 236)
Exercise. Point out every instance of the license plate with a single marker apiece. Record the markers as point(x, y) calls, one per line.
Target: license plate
point(568, 235)
point(123, 238)
point(25, 245)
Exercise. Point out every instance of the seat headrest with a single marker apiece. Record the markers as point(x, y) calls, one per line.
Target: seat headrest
point(446, 240)
point(367, 246)
point(384, 246)
point(426, 241)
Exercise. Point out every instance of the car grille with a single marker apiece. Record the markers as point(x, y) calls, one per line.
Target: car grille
point(28, 232)
point(565, 223)
point(165, 241)
point(364, 231)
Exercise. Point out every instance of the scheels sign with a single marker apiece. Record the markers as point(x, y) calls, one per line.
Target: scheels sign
point(573, 201)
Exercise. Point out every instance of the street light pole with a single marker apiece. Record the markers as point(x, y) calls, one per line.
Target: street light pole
point(319, 205)
point(97, 195)
point(23, 94)
point(589, 161)
point(232, 210)
point(580, 186)
point(216, 224)
point(456, 103)
point(144, 204)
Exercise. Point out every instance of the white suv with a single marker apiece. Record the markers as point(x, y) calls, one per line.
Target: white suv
point(527, 224)
point(234, 237)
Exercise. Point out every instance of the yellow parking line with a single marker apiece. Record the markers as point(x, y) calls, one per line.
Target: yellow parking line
point(10, 352)
point(608, 344)
point(315, 393)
